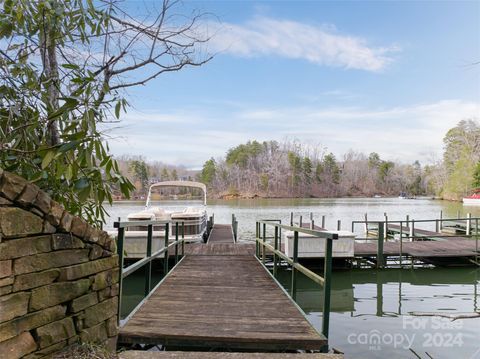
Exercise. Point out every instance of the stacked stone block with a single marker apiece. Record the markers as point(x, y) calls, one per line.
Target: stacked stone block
point(58, 275)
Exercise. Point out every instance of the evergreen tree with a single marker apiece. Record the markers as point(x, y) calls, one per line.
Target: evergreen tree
point(208, 172)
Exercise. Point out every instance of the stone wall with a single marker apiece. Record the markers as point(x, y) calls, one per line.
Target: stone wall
point(58, 275)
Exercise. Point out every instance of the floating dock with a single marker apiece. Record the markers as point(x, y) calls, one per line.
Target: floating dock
point(431, 247)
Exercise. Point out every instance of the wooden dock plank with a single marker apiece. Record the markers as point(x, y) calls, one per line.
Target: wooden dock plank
point(132, 354)
point(227, 301)
point(221, 233)
point(220, 249)
point(448, 248)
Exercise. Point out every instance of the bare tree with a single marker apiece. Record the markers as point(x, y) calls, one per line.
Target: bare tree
point(65, 67)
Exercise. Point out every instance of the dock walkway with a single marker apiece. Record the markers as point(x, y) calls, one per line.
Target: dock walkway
point(224, 298)
point(221, 233)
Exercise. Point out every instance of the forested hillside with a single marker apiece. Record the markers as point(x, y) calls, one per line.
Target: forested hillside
point(290, 169)
point(459, 172)
point(293, 169)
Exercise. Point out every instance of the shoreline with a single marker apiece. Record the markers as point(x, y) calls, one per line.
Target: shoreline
point(232, 198)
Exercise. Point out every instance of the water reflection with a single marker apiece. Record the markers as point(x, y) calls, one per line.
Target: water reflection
point(388, 301)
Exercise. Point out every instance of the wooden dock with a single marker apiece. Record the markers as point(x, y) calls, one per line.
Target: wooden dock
point(421, 249)
point(219, 296)
point(133, 354)
point(221, 233)
point(428, 246)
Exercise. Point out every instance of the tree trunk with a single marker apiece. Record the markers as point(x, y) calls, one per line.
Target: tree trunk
point(50, 66)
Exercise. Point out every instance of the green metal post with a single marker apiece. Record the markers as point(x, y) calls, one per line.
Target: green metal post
point(148, 269)
point(264, 238)
point(236, 229)
point(401, 243)
point(291, 218)
point(381, 237)
point(183, 239)
point(275, 254)
point(257, 237)
point(476, 240)
point(176, 242)
point(327, 286)
point(280, 238)
point(165, 254)
point(293, 289)
point(120, 239)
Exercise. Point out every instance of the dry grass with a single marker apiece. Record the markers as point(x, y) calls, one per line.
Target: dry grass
point(85, 351)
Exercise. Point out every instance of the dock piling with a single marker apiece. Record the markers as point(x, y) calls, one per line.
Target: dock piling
point(469, 224)
point(327, 273)
point(148, 276)
point(366, 224)
point(293, 289)
point(165, 254)
point(274, 253)
point(381, 237)
point(176, 244)
point(386, 225)
point(120, 241)
point(183, 238)
point(264, 238)
point(476, 239)
point(401, 243)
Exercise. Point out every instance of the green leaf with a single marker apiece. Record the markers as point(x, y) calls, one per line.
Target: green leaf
point(71, 66)
point(118, 106)
point(69, 173)
point(68, 146)
point(84, 193)
point(82, 183)
point(48, 159)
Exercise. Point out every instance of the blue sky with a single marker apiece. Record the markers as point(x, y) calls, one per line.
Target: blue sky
point(384, 76)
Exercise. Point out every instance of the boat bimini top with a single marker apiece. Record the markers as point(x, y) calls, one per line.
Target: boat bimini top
point(190, 184)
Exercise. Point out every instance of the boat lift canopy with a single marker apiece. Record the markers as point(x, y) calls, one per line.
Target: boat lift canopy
point(178, 184)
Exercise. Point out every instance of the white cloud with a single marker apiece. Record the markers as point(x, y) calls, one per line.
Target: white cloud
point(317, 44)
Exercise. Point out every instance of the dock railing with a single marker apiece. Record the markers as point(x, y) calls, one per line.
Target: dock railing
point(149, 257)
point(325, 281)
point(407, 230)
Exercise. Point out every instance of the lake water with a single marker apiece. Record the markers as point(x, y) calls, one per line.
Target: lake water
point(371, 309)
